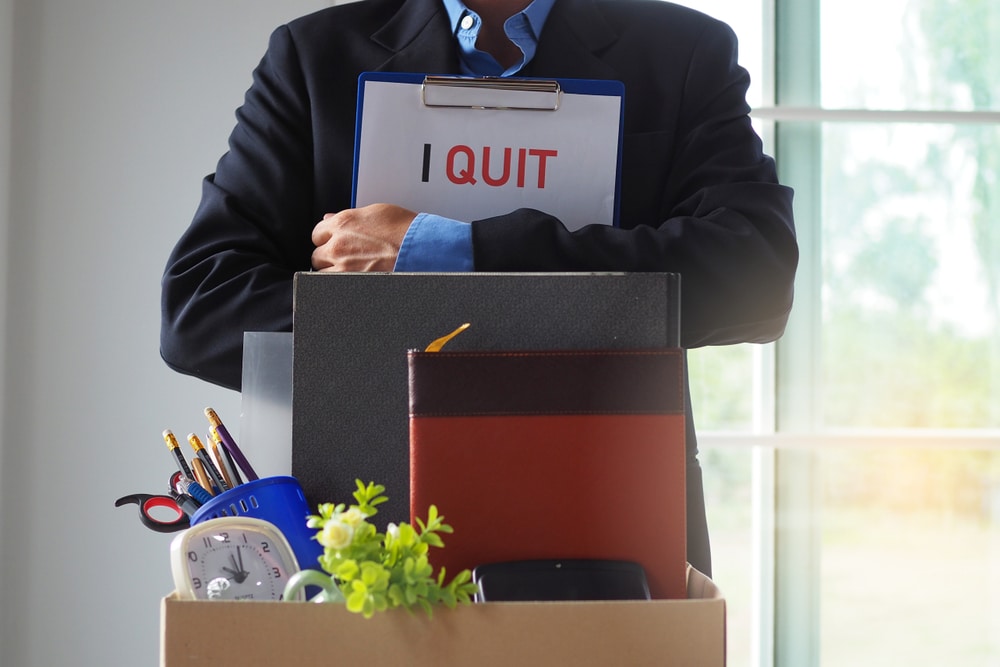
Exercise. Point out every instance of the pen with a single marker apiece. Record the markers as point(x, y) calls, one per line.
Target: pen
point(223, 460)
point(192, 488)
point(206, 459)
point(229, 444)
point(175, 449)
point(174, 486)
point(187, 504)
point(201, 475)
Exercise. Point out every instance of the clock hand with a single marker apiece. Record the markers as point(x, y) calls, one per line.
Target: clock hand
point(238, 577)
point(242, 575)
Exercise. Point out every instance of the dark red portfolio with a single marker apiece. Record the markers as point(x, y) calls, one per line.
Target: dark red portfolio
point(552, 454)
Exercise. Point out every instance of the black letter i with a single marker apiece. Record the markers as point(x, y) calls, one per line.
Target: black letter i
point(427, 163)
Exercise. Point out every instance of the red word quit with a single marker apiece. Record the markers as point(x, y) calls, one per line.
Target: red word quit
point(465, 165)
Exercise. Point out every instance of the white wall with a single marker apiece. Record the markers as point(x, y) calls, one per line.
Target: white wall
point(6, 75)
point(119, 107)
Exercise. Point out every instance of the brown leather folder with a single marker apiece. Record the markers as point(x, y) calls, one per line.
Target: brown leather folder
point(552, 455)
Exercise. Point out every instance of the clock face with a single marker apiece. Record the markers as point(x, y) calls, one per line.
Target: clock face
point(232, 559)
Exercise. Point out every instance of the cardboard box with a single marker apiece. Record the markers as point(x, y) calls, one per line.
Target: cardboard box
point(265, 634)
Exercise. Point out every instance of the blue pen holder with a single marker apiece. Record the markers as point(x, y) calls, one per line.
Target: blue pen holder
point(279, 500)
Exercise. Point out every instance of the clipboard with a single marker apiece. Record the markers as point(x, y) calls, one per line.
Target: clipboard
point(469, 148)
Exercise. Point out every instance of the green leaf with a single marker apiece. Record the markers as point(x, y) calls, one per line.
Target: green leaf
point(356, 601)
point(426, 606)
point(347, 570)
point(368, 609)
point(448, 598)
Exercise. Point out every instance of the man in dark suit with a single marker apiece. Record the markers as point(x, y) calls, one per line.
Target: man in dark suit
point(698, 196)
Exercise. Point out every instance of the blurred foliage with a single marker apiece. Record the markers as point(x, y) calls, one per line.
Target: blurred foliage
point(939, 480)
point(721, 386)
point(961, 37)
point(888, 370)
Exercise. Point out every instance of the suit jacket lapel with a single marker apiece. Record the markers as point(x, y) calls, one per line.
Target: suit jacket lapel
point(574, 34)
point(420, 38)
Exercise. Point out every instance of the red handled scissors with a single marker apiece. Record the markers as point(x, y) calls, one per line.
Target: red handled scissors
point(152, 509)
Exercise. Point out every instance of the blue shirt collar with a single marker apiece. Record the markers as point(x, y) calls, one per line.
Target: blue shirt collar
point(523, 29)
point(536, 13)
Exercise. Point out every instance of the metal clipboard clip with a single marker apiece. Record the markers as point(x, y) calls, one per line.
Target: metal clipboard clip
point(491, 93)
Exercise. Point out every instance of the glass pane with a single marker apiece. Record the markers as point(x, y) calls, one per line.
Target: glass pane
point(745, 17)
point(727, 473)
point(911, 276)
point(721, 387)
point(910, 571)
point(910, 54)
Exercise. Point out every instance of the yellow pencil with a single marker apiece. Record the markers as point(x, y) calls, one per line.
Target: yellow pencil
point(201, 476)
point(206, 458)
point(220, 463)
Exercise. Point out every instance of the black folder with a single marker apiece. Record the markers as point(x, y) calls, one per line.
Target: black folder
point(351, 333)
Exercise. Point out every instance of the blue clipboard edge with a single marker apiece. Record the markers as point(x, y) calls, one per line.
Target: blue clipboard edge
point(609, 87)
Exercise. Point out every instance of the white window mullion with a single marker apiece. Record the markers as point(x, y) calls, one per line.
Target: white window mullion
point(762, 592)
point(762, 491)
point(809, 114)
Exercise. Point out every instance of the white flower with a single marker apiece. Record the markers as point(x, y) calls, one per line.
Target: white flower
point(353, 517)
point(392, 531)
point(336, 534)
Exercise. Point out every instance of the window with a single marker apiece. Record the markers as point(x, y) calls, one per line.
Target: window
point(852, 470)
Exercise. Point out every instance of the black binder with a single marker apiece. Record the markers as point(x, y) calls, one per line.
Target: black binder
point(351, 332)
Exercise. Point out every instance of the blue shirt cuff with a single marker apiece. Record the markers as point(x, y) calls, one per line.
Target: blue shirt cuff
point(437, 244)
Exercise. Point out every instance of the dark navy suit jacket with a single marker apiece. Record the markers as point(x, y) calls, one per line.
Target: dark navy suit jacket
point(698, 195)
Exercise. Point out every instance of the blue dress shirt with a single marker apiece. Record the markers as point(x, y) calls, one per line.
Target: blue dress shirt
point(434, 243)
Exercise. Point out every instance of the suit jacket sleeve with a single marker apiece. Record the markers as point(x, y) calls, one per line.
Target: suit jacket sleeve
point(232, 269)
point(715, 213)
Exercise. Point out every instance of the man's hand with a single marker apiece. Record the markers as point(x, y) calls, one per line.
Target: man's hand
point(360, 239)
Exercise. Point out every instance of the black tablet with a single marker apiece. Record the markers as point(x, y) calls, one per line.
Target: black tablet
point(572, 579)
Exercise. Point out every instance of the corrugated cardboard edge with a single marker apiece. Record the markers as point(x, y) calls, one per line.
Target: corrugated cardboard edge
point(265, 634)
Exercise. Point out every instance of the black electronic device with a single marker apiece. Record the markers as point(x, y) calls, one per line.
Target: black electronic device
point(554, 580)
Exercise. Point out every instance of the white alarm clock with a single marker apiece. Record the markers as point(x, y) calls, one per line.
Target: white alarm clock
point(232, 558)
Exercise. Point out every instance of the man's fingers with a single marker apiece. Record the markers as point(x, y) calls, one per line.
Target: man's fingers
point(323, 230)
point(360, 239)
point(319, 261)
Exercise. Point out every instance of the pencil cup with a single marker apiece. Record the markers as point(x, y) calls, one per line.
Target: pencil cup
point(279, 500)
